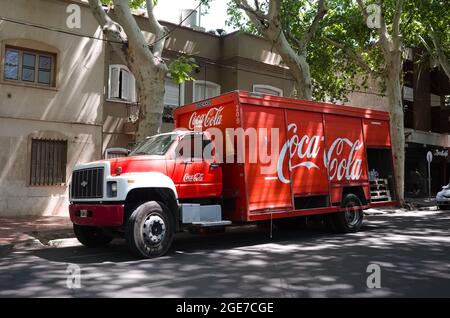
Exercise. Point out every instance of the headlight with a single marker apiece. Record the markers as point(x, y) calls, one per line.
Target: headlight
point(112, 189)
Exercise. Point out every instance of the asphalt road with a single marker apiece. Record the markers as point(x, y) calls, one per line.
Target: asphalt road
point(411, 248)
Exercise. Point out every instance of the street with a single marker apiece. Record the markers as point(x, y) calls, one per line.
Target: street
point(411, 247)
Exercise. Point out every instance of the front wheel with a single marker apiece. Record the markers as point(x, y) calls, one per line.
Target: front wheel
point(149, 231)
point(91, 236)
point(350, 220)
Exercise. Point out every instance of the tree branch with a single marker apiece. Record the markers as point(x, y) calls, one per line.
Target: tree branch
point(111, 29)
point(363, 9)
point(274, 9)
point(297, 41)
point(136, 40)
point(443, 61)
point(396, 25)
point(321, 11)
point(243, 5)
point(156, 28)
point(353, 55)
point(382, 31)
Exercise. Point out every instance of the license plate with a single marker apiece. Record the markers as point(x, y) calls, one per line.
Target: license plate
point(83, 213)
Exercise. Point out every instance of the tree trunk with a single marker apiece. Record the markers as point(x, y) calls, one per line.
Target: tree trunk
point(442, 58)
point(394, 93)
point(444, 63)
point(151, 105)
point(147, 67)
point(297, 63)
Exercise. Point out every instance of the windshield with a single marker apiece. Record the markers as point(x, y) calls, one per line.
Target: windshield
point(155, 145)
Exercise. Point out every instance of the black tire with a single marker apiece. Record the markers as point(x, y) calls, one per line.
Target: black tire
point(149, 231)
point(350, 220)
point(91, 236)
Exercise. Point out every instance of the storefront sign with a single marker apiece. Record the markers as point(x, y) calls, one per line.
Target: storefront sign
point(441, 153)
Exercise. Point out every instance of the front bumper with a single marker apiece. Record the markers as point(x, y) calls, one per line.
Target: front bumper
point(110, 215)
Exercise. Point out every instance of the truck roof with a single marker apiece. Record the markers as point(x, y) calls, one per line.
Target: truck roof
point(245, 97)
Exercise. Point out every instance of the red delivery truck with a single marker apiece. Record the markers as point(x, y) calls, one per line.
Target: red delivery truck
point(237, 158)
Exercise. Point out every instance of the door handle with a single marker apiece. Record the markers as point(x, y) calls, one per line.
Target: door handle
point(214, 165)
point(187, 162)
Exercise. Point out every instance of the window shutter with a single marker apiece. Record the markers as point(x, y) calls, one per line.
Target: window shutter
point(212, 91)
point(199, 92)
point(114, 82)
point(125, 88)
point(133, 97)
point(204, 90)
point(172, 94)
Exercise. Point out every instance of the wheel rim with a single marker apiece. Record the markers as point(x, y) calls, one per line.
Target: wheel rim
point(352, 214)
point(153, 230)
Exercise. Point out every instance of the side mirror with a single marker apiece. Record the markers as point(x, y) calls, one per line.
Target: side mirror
point(214, 165)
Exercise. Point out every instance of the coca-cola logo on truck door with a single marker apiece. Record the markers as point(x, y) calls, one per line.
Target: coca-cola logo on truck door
point(213, 117)
point(306, 148)
point(349, 168)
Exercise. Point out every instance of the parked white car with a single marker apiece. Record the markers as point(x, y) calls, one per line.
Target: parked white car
point(443, 198)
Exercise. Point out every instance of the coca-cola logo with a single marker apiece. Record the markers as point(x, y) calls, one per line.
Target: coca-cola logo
point(197, 177)
point(349, 168)
point(306, 149)
point(213, 117)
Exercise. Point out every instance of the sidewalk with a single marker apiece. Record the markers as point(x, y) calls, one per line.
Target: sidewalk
point(422, 202)
point(24, 229)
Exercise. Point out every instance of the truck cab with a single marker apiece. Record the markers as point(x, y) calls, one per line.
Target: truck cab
point(164, 177)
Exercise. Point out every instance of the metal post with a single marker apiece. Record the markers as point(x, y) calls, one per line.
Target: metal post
point(429, 180)
point(429, 159)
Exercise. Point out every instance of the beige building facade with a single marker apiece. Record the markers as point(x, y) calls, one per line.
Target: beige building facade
point(66, 98)
point(51, 95)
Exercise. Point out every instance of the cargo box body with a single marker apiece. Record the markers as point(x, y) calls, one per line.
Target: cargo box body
point(323, 152)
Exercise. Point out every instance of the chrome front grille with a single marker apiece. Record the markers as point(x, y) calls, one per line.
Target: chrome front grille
point(87, 183)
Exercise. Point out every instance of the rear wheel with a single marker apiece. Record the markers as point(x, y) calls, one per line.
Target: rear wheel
point(350, 220)
point(91, 236)
point(149, 231)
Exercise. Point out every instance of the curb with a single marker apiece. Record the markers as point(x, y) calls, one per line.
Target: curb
point(38, 240)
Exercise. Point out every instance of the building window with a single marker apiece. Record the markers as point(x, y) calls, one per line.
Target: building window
point(48, 162)
point(28, 66)
point(267, 89)
point(121, 84)
point(205, 90)
point(173, 98)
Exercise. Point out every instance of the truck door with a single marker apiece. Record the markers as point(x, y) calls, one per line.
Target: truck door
point(196, 173)
point(268, 183)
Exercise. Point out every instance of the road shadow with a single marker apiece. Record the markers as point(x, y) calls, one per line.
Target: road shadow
point(412, 250)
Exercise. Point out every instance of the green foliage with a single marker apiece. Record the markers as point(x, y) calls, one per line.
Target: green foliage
point(180, 69)
point(134, 4)
point(333, 73)
point(423, 17)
